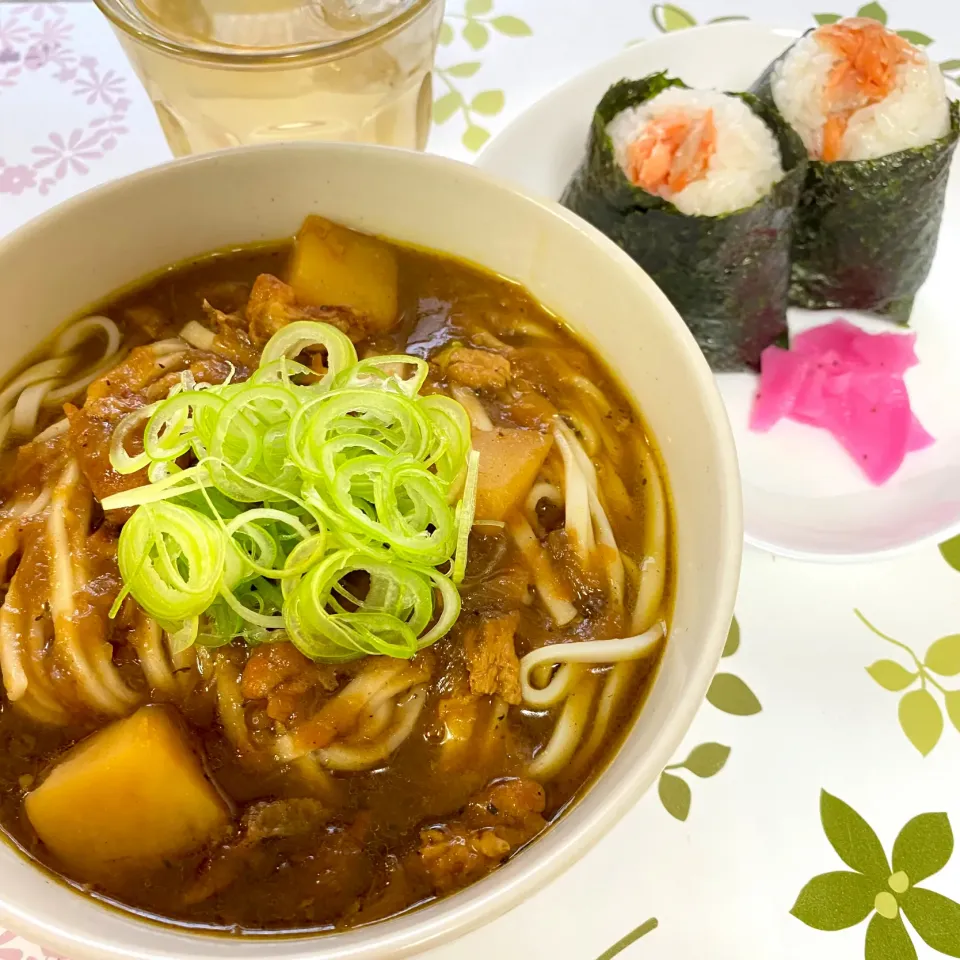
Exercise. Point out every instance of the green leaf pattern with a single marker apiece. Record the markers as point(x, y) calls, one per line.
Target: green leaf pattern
point(731, 695)
point(936, 918)
point(511, 26)
point(888, 940)
point(835, 901)
point(919, 712)
point(838, 900)
point(668, 17)
point(943, 656)
point(476, 25)
point(674, 795)
point(706, 760)
point(950, 549)
point(648, 926)
point(923, 847)
point(476, 34)
point(852, 838)
point(874, 11)
point(921, 719)
point(733, 639)
point(890, 675)
point(915, 36)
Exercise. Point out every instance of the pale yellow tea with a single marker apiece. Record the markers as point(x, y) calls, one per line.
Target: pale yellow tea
point(221, 73)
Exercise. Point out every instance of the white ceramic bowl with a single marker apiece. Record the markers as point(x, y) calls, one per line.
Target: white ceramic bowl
point(104, 239)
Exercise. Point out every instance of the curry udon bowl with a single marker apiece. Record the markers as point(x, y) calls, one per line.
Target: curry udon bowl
point(100, 242)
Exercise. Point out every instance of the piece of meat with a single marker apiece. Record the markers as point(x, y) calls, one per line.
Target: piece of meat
point(89, 438)
point(285, 678)
point(527, 407)
point(143, 377)
point(149, 374)
point(273, 304)
point(401, 883)
point(501, 818)
point(232, 339)
point(221, 320)
point(228, 296)
point(235, 346)
point(477, 369)
point(492, 661)
point(149, 320)
point(272, 820)
point(284, 818)
point(497, 580)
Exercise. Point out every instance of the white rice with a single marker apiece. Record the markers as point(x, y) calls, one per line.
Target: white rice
point(744, 166)
point(914, 114)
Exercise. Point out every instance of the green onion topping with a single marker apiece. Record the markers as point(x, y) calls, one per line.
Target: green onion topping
point(332, 509)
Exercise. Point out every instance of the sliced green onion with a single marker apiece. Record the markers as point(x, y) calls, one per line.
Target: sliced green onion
point(271, 621)
point(296, 337)
point(170, 432)
point(171, 558)
point(326, 622)
point(120, 460)
point(183, 636)
point(282, 371)
point(465, 514)
point(382, 372)
point(248, 522)
point(174, 485)
point(317, 508)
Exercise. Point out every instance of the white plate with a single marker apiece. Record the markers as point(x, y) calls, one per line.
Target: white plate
point(803, 496)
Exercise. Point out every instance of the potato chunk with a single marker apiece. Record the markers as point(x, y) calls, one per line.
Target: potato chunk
point(127, 796)
point(509, 461)
point(336, 267)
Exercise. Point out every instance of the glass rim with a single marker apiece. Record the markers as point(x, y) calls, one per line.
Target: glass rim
point(116, 12)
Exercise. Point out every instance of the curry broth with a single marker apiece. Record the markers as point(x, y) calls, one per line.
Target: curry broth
point(356, 867)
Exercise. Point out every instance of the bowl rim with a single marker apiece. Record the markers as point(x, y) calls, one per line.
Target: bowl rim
point(580, 828)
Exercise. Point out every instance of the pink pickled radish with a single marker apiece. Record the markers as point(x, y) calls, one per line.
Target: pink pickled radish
point(849, 382)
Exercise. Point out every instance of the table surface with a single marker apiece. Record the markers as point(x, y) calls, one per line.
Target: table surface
point(821, 777)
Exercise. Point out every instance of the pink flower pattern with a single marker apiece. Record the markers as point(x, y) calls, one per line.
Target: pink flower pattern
point(12, 31)
point(95, 87)
point(23, 951)
point(37, 37)
point(16, 179)
point(53, 32)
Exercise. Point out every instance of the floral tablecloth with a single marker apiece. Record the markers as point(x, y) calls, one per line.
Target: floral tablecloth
point(810, 811)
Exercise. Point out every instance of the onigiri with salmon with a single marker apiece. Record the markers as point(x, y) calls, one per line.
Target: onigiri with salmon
point(872, 111)
point(855, 90)
point(706, 152)
point(699, 187)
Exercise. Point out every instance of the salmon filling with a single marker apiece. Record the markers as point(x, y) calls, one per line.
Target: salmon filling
point(673, 152)
point(865, 74)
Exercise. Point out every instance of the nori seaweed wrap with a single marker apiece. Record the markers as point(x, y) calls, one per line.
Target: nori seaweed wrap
point(865, 231)
point(727, 275)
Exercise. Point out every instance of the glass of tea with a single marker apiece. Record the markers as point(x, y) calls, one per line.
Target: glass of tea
point(221, 73)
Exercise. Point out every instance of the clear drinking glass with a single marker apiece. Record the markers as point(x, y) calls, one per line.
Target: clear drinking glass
point(221, 73)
